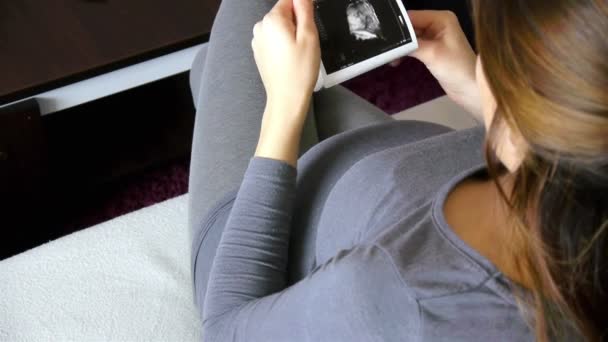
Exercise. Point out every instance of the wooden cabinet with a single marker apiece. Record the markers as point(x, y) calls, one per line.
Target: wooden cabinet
point(23, 169)
point(52, 44)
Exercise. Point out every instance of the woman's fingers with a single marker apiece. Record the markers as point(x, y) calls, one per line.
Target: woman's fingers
point(283, 7)
point(297, 14)
point(420, 18)
point(431, 24)
point(304, 13)
point(305, 19)
point(427, 25)
point(423, 21)
point(433, 28)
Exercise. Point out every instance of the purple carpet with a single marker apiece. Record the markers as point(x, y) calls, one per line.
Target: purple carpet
point(392, 89)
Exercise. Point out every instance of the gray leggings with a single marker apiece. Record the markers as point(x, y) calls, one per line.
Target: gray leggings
point(230, 98)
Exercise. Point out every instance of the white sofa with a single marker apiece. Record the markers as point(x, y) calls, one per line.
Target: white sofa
point(127, 279)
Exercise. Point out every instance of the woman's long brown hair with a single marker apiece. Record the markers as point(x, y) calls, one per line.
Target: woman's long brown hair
point(546, 62)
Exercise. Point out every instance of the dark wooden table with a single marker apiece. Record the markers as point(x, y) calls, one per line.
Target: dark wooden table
point(45, 44)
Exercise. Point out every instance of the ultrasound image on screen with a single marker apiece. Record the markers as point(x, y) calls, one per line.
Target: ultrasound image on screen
point(351, 31)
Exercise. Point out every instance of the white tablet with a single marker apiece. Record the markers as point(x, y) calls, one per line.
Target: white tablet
point(359, 35)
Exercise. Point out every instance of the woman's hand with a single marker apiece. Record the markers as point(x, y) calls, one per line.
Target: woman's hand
point(286, 50)
point(444, 49)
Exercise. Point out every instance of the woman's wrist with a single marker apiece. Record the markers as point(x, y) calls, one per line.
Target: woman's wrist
point(292, 103)
point(278, 148)
point(281, 131)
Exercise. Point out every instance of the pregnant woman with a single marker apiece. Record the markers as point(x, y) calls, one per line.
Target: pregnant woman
point(403, 231)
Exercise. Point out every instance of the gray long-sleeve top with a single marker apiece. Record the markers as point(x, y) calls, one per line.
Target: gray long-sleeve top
point(387, 267)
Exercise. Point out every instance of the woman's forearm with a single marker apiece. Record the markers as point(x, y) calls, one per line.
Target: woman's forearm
point(281, 131)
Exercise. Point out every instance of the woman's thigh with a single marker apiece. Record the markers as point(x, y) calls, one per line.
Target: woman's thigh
point(338, 109)
point(230, 101)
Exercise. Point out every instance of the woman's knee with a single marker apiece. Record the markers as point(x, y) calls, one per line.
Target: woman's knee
point(196, 73)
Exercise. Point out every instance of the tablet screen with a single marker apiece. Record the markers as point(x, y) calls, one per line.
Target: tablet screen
point(351, 31)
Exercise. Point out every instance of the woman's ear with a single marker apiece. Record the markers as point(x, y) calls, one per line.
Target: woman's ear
point(511, 148)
